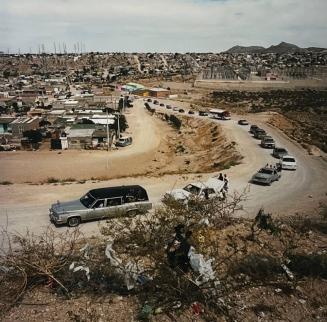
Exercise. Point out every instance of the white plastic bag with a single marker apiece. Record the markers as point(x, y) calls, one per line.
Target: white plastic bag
point(201, 266)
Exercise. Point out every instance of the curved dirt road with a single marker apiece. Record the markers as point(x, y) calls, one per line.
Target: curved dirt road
point(24, 206)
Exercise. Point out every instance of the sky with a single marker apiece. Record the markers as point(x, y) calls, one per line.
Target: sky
point(159, 25)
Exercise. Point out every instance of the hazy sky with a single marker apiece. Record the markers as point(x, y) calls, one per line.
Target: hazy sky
point(160, 25)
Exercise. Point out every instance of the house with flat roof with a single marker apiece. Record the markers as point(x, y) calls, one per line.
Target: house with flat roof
point(22, 124)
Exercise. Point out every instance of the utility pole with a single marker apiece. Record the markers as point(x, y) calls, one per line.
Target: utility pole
point(108, 133)
point(118, 130)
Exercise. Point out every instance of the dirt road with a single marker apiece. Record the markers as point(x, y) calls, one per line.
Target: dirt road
point(24, 206)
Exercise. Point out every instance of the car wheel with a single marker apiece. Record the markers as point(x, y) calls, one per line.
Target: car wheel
point(132, 213)
point(73, 221)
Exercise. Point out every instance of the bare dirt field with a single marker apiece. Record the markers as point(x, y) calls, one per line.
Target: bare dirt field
point(157, 149)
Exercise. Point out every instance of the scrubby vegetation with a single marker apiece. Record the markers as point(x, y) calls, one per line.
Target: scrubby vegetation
point(306, 109)
point(260, 268)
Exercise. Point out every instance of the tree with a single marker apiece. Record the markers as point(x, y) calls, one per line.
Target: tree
point(44, 123)
point(123, 125)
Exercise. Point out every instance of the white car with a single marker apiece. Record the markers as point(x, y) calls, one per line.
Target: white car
point(210, 189)
point(288, 162)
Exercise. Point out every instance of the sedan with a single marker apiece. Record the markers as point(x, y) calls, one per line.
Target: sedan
point(279, 153)
point(243, 122)
point(181, 110)
point(190, 112)
point(266, 176)
point(288, 162)
point(168, 107)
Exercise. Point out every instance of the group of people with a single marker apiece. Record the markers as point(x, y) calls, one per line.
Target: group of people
point(225, 179)
point(277, 166)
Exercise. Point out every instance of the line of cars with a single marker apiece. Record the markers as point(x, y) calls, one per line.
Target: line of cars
point(268, 174)
point(168, 106)
point(112, 202)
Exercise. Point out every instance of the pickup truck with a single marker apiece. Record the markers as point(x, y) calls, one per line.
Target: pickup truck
point(268, 142)
point(210, 189)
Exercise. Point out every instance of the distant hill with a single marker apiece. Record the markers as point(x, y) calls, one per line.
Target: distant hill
point(245, 50)
point(282, 48)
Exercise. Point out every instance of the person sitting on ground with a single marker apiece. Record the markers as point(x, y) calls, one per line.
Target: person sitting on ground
point(221, 177)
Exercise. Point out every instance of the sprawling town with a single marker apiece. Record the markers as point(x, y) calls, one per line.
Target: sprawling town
point(163, 185)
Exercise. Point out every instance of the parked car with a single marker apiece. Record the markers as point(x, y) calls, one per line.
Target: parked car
point(288, 162)
point(202, 113)
point(212, 188)
point(266, 176)
point(259, 134)
point(149, 100)
point(253, 128)
point(181, 110)
point(124, 141)
point(162, 104)
point(243, 122)
point(279, 152)
point(101, 203)
point(268, 142)
point(168, 107)
point(190, 112)
point(175, 108)
point(155, 102)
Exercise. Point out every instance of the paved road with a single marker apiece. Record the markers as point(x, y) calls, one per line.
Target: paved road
point(296, 191)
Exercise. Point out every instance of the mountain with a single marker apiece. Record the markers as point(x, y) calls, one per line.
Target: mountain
point(315, 49)
point(246, 50)
point(282, 48)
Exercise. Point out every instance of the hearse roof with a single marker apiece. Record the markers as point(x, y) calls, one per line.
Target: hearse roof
point(112, 192)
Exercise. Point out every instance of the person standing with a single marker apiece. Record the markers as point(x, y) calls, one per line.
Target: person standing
point(226, 183)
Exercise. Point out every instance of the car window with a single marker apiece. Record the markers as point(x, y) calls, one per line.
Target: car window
point(87, 200)
point(99, 203)
point(288, 160)
point(129, 199)
point(209, 191)
point(266, 171)
point(192, 189)
point(114, 202)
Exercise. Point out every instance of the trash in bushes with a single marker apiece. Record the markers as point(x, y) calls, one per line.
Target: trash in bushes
point(196, 308)
point(86, 250)
point(131, 272)
point(146, 312)
point(80, 268)
point(287, 271)
point(201, 266)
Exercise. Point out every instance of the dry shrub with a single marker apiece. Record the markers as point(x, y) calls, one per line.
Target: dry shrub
point(29, 260)
point(258, 267)
point(316, 291)
point(314, 265)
